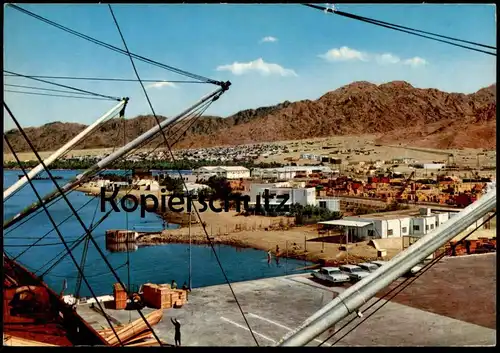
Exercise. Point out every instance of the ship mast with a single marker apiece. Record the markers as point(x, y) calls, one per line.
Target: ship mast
point(113, 157)
point(35, 171)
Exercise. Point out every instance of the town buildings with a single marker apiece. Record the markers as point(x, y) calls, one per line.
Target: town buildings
point(222, 171)
point(286, 173)
point(396, 224)
point(297, 194)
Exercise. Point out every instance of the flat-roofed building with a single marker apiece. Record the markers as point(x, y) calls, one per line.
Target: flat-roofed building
point(232, 172)
point(396, 224)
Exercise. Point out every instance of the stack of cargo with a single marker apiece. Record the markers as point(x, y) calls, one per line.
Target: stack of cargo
point(120, 236)
point(120, 296)
point(161, 296)
point(178, 297)
point(157, 296)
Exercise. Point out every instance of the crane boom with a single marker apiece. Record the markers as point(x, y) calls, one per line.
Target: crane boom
point(33, 172)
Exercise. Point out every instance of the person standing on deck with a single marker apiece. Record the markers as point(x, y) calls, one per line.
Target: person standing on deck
point(174, 284)
point(177, 336)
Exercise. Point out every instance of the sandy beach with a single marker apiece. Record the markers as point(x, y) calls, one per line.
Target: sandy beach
point(258, 232)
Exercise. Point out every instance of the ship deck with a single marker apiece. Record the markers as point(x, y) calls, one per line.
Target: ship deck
point(458, 310)
point(33, 314)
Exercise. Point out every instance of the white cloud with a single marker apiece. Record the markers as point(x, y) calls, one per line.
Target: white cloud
point(269, 39)
point(416, 61)
point(161, 84)
point(348, 54)
point(259, 66)
point(387, 58)
point(343, 54)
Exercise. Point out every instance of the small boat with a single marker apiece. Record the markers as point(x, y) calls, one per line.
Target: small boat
point(20, 176)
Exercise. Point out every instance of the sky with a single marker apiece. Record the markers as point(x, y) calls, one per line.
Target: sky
point(270, 53)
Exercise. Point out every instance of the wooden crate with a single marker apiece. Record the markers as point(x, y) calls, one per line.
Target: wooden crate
point(178, 297)
point(157, 296)
point(120, 304)
point(119, 292)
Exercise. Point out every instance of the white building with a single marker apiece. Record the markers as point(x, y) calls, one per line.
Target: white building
point(428, 166)
point(236, 172)
point(396, 224)
point(286, 173)
point(105, 183)
point(147, 184)
point(302, 196)
point(403, 160)
point(223, 171)
point(194, 188)
point(330, 204)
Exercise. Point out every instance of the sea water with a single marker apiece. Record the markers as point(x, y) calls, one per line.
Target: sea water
point(155, 264)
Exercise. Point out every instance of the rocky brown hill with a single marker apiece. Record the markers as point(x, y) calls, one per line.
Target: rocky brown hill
point(396, 111)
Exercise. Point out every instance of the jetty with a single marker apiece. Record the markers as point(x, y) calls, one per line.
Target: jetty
point(274, 306)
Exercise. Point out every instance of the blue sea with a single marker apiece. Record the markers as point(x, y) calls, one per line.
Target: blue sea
point(155, 264)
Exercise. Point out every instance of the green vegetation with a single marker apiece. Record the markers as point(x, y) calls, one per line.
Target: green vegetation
point(174, 185)
point(312, 214)
point(128, 165)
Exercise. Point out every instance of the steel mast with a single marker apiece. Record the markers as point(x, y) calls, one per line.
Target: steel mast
point(81, 178)
point(32, 173)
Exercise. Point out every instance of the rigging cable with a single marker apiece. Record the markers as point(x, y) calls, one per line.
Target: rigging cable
point(46, 234)
point(403, 284)
point(60, 275)
point(77, 217)
point(62, 156)
point(43, 89)
point(116, 49)
point(226, 86)
point(65, 86)
point(93, 198)
point(52, 219)
point(404, 29)
point(37, 245)
point(108, 79)
point(127, 223)
point(84, 255)
point(62, 255)
point(88, 276)
point(96, 172)
point(55, 95)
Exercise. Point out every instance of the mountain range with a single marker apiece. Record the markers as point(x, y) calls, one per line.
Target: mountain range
point(394, 112)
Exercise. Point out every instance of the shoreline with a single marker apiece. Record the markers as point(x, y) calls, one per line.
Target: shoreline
point(256, 232)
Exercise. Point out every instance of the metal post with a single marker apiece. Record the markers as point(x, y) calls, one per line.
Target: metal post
point(108, 160)
point(190, 278)
point(33, 172)
point(347, 247)
point(355, 296)
point(286, 258)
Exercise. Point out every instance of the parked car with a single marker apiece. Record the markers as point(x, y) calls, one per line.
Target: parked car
point(369, 267)
point(331, 274)
point(410, 273)
point(354, 272)
point(379, 263)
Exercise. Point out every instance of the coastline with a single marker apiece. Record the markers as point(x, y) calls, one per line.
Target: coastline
point(256, 232)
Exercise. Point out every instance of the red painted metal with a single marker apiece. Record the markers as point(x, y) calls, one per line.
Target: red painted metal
point(31, 310)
